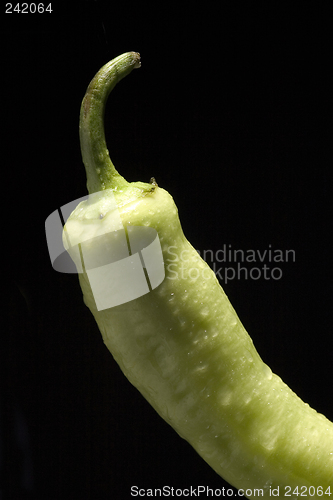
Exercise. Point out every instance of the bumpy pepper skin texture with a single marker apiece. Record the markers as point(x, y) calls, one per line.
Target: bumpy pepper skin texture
point(183, 346)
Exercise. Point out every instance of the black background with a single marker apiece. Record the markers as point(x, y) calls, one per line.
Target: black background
point(231, 112)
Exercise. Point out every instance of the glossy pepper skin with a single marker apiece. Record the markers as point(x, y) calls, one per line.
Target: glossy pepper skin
point(182, 344)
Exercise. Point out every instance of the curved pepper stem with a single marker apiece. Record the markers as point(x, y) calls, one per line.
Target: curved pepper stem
point(101, 173)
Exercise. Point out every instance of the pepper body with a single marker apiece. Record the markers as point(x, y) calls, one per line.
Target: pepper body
point(184, 348)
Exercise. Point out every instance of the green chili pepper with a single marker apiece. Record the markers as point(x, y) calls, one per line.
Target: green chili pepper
point(182, 344)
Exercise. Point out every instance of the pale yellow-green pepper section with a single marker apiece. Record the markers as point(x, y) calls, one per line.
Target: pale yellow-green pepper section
point(183, 346)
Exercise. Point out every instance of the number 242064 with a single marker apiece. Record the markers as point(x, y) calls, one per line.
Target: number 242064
point(25, 8)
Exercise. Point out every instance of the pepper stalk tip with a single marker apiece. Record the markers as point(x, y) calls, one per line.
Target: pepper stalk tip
point(137, 59)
